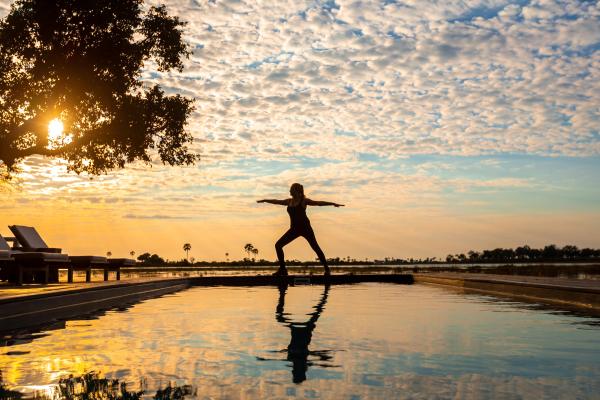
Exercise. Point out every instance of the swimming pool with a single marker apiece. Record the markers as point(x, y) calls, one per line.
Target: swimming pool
point(358, 341)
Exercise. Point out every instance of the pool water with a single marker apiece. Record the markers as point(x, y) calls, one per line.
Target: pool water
point(376, 341)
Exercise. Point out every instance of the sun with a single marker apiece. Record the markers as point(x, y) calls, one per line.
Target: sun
point(55, 130)
point(56, 135)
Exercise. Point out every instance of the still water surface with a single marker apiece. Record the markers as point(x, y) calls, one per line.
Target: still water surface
point(376, 341)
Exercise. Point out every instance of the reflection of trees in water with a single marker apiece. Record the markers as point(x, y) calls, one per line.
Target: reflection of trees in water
point(92, 386)
point(175, 392)
point(6, 394)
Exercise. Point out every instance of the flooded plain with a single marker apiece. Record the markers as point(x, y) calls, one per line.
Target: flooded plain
point(376, 341)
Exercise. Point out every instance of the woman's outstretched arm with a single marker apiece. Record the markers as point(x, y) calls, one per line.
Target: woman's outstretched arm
point(310, 202)
point(274, 201)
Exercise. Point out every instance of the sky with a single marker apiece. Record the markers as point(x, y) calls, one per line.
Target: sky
point(443, 126)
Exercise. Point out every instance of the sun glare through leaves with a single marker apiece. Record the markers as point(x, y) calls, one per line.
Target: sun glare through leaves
point(56, 134)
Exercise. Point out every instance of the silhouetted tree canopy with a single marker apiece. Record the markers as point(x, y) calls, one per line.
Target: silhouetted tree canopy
point(525, 253)
point(81, 62)
point(151, 259)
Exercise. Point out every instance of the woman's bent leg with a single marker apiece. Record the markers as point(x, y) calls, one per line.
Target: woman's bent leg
point(312, 240)
point(285, 239)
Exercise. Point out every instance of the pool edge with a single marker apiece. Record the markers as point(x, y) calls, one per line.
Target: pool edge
point(581, 298)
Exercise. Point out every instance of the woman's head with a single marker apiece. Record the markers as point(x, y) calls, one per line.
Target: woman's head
point(297, 191)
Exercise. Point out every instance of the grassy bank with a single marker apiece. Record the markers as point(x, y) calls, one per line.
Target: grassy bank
point(574, 270)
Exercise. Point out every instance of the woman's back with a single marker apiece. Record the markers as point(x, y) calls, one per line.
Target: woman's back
point(298, 217)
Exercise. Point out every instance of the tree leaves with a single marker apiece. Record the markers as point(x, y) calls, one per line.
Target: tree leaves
point(81, 62)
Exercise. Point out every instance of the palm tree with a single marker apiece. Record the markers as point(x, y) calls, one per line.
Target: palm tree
point(227, 256)
point(108, 253)
point(132, 253)
point(254, 253)
point(248, 248)
point(187, 247)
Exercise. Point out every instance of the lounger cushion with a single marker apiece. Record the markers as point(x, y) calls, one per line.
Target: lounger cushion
point(28, 236)
point(91, 260)
point(42, 249)
point(40, 257)
point(121, 262)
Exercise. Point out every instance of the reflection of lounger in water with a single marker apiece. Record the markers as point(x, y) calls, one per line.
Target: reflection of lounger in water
point(301, 335)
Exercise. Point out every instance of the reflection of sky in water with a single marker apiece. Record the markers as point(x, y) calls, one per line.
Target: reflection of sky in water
point(371, 340)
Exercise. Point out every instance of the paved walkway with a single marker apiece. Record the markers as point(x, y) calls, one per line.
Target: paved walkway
point(558, 283)
point(11, 291)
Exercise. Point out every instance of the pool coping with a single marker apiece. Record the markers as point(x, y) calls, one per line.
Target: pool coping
point(581, 294)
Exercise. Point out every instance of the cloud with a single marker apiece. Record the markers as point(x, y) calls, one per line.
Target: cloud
point(349, 96)
point(461, 78)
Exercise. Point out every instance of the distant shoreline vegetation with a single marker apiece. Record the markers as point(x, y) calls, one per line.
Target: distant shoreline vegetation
point(522, 254)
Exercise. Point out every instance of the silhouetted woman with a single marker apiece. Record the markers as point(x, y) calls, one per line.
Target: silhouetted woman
point(299, 224)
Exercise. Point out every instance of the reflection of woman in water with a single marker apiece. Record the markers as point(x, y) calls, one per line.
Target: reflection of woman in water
point(301, 332)
point(299, 224)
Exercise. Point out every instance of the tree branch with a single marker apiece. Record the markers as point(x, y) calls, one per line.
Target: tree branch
point(39, 150)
